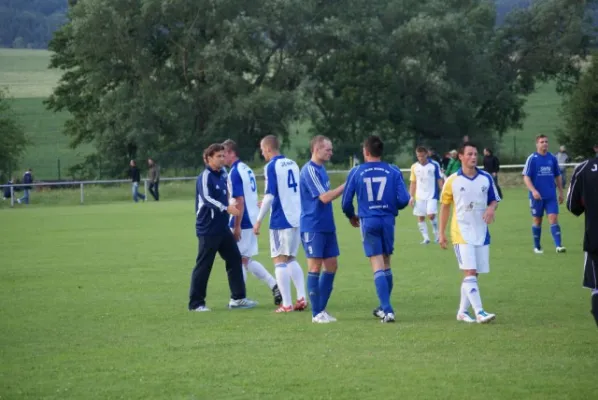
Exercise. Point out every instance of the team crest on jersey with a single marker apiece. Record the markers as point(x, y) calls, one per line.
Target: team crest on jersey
point(484, 189)
point(470, 206)
point(462, 189)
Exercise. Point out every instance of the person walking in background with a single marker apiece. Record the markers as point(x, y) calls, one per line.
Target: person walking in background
point(492, 166)
point(563, 158)
point(135, 178)
point(6, 194)
point(453, 165)
point(27, 178)
point(154, 178)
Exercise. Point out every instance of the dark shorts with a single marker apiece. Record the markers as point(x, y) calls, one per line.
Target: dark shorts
point(590, 271)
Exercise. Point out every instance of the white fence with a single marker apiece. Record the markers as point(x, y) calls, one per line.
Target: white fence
point(81, 184)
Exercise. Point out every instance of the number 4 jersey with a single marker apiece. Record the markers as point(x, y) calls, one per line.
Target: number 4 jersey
point(380, 191)
point(241, 182)
point(282, 182)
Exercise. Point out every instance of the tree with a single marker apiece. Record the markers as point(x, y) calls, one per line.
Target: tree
point(12, 137)
point(579, 111)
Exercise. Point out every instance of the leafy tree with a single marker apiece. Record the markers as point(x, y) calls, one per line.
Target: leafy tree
point(581, 120)
point(12, 137)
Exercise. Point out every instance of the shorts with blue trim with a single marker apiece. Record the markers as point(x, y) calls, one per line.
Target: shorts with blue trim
point(320, 244)
point(378, 235)
point(537, 207)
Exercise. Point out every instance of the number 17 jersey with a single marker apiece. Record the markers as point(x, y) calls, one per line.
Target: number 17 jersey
point(282, 182)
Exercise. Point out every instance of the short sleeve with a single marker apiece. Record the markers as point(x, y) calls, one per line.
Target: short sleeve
point(313, 181)
point(412, 177)
point(555, 166)
point(270, 175)
point(437, 171)
point(236, 189)
point(446, 197)
point(530, 167)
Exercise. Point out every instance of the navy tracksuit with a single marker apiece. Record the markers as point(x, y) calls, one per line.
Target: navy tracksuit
point(211, 227)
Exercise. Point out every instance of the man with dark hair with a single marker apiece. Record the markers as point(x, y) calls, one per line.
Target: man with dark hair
point(135, 179)
point(381, 193)
point(242, 189)
point(542, 176)
point(154, 179)
point(492, 166)
point(211, 227)
point(582, 196)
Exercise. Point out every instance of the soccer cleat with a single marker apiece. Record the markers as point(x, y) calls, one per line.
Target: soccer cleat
point(378, 313)
point(277, 295)
point(465, 317)
point(241, 303)
point(437, 240)
point(300, 305)
point(283, 309)
point(328, 316)
point(320, 319)
point(538, 251)
point(561, 249)
point(483, 317)
point(201, 309)
point(389, 317)
point(425, 241)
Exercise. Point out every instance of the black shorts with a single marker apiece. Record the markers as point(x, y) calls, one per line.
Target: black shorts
point(590, 271)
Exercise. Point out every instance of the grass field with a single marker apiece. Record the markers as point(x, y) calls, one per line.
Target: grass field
point(29, 81)
point(94, 307)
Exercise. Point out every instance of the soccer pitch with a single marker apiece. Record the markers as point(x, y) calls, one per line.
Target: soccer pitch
point(94, 306)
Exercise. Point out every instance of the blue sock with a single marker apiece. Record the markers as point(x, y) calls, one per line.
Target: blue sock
point(313, 279)
point(555, 229)
point(388, 274)
point(382, 291)
point(326, 280)
point(537, 233)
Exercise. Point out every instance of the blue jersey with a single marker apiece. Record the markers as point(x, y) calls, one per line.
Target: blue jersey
point(282, 182)
point(241, 183)
point(211, 203)
point(542, 170)
point(315, 215)
point(380, 191)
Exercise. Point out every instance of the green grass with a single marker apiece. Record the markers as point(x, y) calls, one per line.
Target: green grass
point(94, 306)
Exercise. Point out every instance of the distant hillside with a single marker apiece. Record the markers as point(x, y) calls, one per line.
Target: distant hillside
point(30, 24)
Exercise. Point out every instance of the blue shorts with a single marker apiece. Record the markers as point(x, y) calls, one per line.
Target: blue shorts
point(320, 244)
point(551, 206)
point(378, 235)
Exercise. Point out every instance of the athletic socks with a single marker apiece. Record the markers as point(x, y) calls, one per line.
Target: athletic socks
point(298, 279)
point(470, 286)
point(464, 303)
point(555, 230)
point(261, 273)
point(537, 233)
point(313, 288)
point(381, 284)
point(283, 279)
point(435, 227)
point(423, 228)
point(389, 280)
point(325, 288)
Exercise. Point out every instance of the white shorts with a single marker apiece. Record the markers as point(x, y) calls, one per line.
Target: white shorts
point(473, 257)
point(425, 207)
point(248, 243)
point(284, 242)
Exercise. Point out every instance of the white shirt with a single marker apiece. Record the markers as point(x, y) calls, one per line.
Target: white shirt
point(426, 178)
point(282, 182)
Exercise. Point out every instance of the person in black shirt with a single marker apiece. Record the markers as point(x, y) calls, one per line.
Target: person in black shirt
point(135, 178)
point(582, 196)
point(492, 166)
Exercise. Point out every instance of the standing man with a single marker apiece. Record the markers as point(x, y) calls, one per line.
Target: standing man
point(27, 178)
point(583, 197)
point(453, 165)
point(318, 231)
point(242, 189)
point(282, 194)
point(473, 195)
point(492, 166)
point(425, 181)
point(211, 227)
point(154, 179)
point(381, 193)
point(135, 178)
point(542, 176)
point(563, 158)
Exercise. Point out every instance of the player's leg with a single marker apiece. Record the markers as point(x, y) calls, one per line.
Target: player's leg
point(420, 211)
point(472, 261)
point(388, 272)
point(432, 210)
point(537, 210)
point(385, 238)
point(206, 252)
point(331, 253)
point(248, 247)
point(281, 271)
point(552, 210)
point(590, 280)
point(313, 251)
point(291, 240)
point(229, 251)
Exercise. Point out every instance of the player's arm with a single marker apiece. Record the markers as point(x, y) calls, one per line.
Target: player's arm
point(446, 199)
point(348, 194)
point(528, 171)
point(575, 192)
point(332, 194)
point(237, 193)
point(316, 187)
point(412, 185)
point(558, 178)
point(404, 198)
point(438, 176)
point(271, 191)
point(203, 192)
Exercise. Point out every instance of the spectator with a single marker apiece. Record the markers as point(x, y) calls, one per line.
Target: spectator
point(135, 178)
point(453, 165)
point(492, 166)
point(432, 154)
point(445, 161)
point(7, 194)
point(562, 157)
point(27, 178)
point(154, 178)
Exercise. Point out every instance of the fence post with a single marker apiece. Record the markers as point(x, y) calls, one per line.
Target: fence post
point(82, 195)
point(58, 162)
point(12, 196)
point(145, 188)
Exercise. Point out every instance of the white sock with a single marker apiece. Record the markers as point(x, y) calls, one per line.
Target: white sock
point(261, 273)
point(464, 303)
point(435, 227)
point(244, 268)
point(470, 285)
point(283, 279)
point(423, 228)
point(298, 278)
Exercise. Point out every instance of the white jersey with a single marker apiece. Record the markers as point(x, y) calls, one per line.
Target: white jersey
point(426, 178)
point(241, 182)
point(282, 182)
